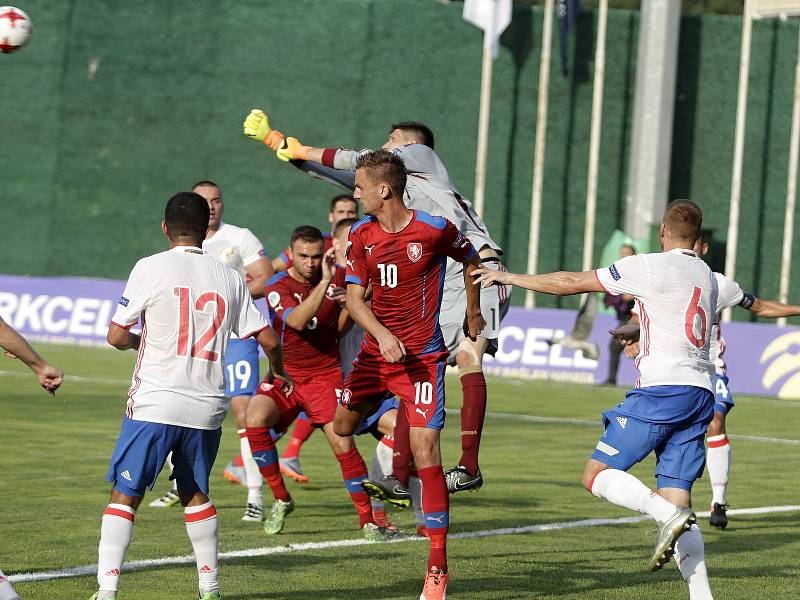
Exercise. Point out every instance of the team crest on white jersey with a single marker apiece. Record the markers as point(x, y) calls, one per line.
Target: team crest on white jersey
point(414, 251)
point(623, 421)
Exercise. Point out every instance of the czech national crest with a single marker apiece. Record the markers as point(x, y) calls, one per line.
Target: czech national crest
point(414, 251)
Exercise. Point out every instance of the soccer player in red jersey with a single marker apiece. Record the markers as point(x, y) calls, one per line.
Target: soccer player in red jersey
point(403, 253)
point(305, 305)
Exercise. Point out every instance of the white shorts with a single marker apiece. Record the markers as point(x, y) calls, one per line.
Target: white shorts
point(494, 306)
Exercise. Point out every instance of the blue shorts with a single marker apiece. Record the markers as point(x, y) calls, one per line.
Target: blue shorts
point(723, 399)
point(143, 447)
point(370, 422)
point(241, 367)
point(670, 419)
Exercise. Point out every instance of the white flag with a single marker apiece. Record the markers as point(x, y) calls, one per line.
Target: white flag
point(493, 16)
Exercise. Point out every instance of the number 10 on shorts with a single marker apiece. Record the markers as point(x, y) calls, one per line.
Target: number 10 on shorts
point(423, 392)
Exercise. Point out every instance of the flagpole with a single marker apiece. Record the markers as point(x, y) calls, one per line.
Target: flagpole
point(791, 192)
point(594, 139)
point(738, 150)
point(538, 152)
point(483, 119)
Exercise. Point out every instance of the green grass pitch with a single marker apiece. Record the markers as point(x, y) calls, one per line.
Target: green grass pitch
point(52, 490)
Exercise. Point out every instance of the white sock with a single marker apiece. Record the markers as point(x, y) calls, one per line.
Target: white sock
point(623, 489)
point(6, 591)
point(254, 483)
point(381, 465)
point(718, 459)
point(690, 556)
point(116, 533)
point(415, 487)
point(171, 469)
point(201, 525)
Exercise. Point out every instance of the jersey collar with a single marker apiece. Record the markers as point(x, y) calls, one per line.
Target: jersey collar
point(685, 251)
point(188, 250)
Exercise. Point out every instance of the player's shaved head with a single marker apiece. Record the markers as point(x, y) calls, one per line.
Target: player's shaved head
point(186, 217)
point(344, 224)
point(383, 166)
point(683, 221)
point(415, 130)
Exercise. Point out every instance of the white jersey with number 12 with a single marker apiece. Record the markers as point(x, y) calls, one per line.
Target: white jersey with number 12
point(188, 303)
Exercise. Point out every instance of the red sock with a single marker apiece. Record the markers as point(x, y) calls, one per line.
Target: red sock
point(300, 433)
point(266, 457)
point(473, 385)
point(354, 471)
point(401, 457)
point(436, 507)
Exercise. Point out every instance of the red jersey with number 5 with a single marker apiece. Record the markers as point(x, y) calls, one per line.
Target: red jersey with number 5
point(316, 347)
point(406, 270)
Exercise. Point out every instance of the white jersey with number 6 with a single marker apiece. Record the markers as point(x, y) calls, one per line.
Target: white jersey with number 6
point(676, 297)
point(188, 303)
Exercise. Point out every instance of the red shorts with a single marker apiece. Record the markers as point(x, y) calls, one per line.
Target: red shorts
point(418, 381)
point(316, 396)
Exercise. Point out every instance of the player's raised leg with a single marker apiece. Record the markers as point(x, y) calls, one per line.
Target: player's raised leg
point(290, 459)
point(264, 410)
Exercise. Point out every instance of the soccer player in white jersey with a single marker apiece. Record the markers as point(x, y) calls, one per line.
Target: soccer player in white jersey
point(188, 304)
point(430, 189)
point(718, 452)
point(239, 249)
point(673, 402)
point(50, 379)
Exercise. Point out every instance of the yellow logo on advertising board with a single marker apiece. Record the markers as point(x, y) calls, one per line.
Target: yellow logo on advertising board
point(784, 352)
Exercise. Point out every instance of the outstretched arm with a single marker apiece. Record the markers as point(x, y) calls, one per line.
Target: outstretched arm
point(474, 322)
point(561, 283)
point(18, 347)
point(773, 309)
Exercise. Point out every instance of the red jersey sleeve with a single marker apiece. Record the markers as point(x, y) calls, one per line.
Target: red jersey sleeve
point(455, 244)
point(356, 258)
point(280, 302)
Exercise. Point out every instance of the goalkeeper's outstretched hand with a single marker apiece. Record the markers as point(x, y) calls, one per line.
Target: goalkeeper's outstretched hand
point(256, 127)
point(291, 149)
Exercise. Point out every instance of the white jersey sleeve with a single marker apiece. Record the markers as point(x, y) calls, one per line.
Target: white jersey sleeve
point(135, 298)
point(730, 293)
point(250, 321)
point(251, 249)
point(629, 275)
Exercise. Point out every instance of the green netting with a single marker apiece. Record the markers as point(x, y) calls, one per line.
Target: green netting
point(116, 105)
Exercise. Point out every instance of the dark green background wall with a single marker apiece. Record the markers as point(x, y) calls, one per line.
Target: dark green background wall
point(89, 157)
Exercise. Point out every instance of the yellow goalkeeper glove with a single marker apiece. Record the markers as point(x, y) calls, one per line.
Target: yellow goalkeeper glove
point(256, 127)
point(291, 149)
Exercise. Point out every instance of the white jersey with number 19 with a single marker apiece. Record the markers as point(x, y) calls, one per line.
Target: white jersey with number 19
point(188, 303)
point(676, 297)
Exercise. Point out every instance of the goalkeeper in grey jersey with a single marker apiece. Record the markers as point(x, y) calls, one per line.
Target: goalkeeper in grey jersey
point(430, 189)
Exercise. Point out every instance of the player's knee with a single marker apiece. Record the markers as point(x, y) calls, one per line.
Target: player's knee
point(468, 356)
point(589, 473)
point(342, 427)
point(717, 425)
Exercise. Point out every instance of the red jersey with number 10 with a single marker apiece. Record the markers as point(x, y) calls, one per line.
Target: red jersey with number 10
point(406, 270)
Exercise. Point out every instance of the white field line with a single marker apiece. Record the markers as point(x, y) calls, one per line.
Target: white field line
point(75, 378)
point(565, 421)
point(294, 548)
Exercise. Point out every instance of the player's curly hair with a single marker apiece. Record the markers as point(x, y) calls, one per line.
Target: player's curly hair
point(186, 217)
point(385, 166)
